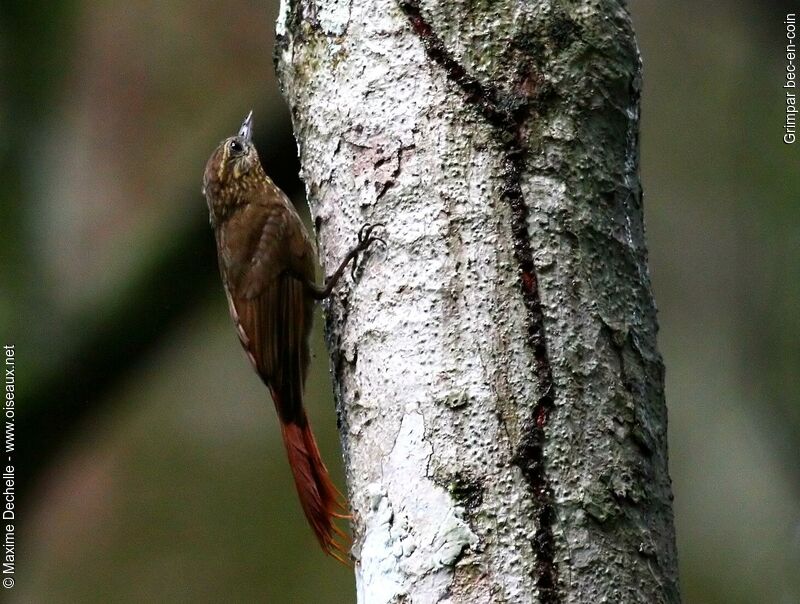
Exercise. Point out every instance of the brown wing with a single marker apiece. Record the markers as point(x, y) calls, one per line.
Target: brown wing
point(273, 328)
point(268, 303)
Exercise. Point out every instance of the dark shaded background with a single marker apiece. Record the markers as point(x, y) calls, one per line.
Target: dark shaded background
point(152, 467)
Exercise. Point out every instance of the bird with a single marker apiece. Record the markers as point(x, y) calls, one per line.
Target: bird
point(267, 261)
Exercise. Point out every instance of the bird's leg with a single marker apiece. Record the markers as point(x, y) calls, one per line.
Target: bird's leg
point(365, 239)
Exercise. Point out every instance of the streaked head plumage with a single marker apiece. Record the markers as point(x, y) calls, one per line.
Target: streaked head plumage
point(234, 158)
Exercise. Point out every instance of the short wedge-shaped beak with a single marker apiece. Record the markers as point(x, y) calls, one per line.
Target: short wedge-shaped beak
point(246, 131)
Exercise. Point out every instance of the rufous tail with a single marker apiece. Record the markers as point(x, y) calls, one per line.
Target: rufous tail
point(321, 501)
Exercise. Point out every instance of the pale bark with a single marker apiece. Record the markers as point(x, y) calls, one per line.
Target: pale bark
point(499, 389)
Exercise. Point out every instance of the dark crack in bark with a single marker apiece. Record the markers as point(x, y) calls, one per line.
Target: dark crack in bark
point(507, 115)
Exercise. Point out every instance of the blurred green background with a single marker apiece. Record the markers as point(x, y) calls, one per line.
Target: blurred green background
point(153, 469)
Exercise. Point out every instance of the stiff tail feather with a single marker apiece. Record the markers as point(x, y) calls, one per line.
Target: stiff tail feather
point(320, 499)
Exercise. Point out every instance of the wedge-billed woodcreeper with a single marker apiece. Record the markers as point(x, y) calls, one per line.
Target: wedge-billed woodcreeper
point(267, 261)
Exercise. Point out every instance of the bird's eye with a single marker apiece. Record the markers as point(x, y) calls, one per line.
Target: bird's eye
point(235, 146)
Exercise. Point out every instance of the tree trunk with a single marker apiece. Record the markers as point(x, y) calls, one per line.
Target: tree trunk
point(500, 394)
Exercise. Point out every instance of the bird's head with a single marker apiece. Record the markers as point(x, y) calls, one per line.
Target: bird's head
point(233, 161)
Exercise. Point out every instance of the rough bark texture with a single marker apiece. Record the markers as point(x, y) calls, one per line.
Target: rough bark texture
point(499, 389)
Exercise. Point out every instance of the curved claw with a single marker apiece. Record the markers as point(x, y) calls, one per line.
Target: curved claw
point(365, 233)
point(353, 265)
point(365, 239)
